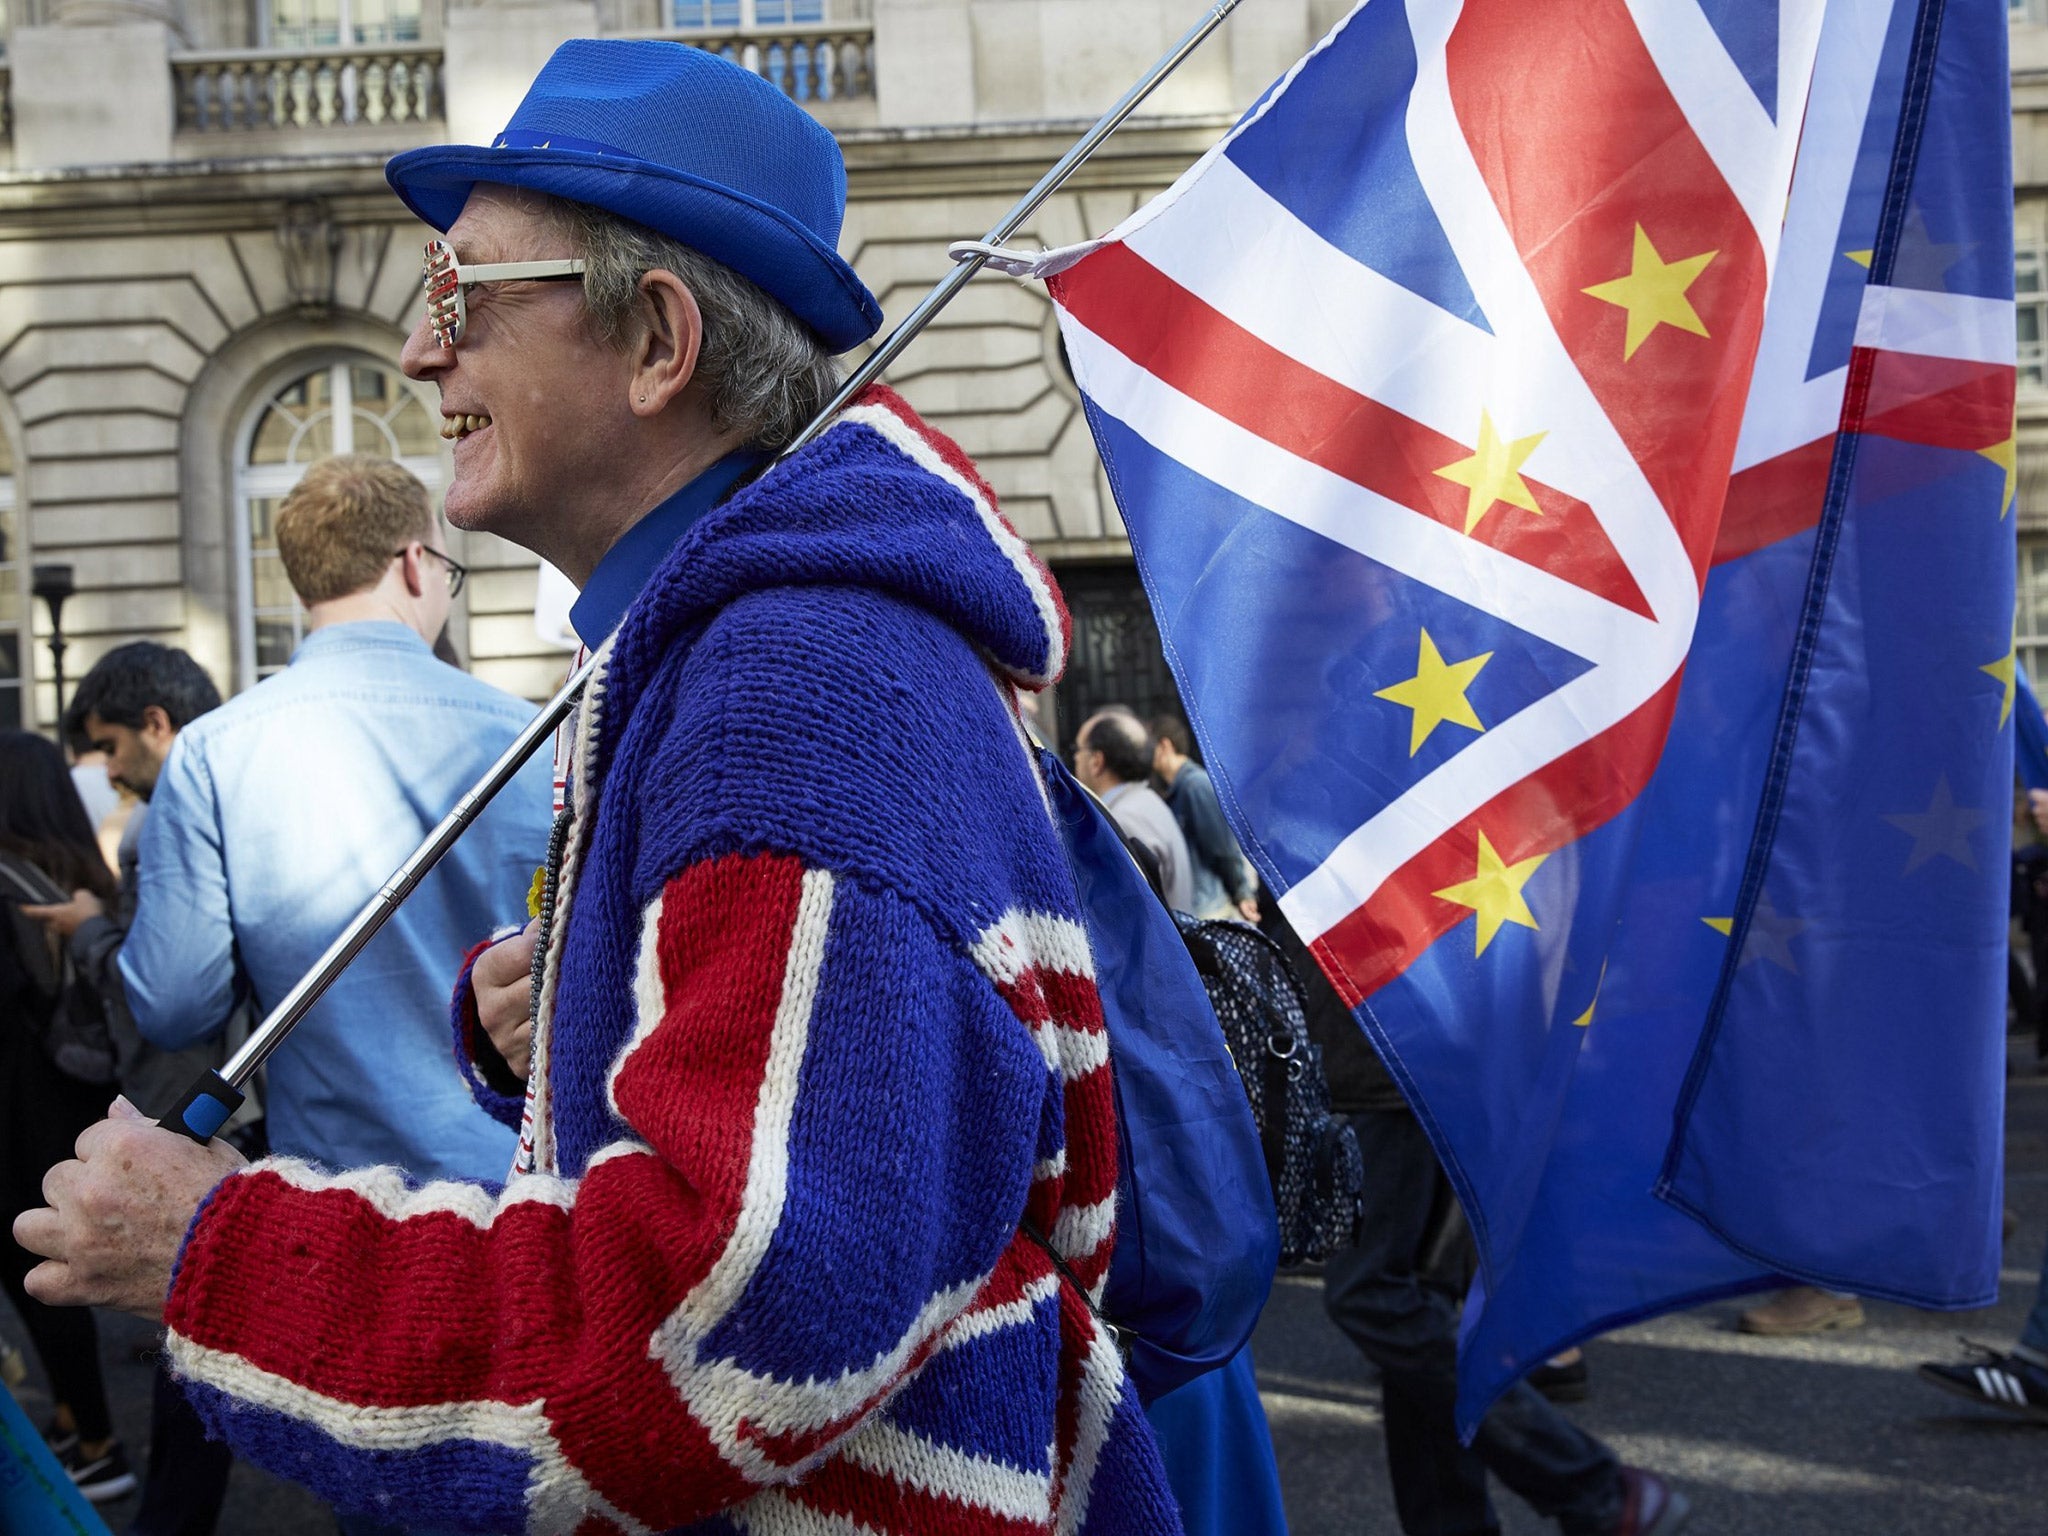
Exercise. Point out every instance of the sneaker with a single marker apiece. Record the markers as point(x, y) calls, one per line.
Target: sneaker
point(104, 1477)
point(2001, 1381)
point(1563, 1378)
point(1803, 1309)
point(1652, 1506)
point(62, 1442)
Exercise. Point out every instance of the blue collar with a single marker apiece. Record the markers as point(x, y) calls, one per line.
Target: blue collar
point(627, 564)
point(362, 634)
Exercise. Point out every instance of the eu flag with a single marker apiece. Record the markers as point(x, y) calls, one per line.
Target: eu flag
point(1569, 450)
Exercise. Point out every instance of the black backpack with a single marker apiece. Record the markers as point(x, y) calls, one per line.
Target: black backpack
point(1312, 1154)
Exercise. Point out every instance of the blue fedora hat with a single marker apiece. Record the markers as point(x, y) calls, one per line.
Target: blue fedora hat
point(686, 143)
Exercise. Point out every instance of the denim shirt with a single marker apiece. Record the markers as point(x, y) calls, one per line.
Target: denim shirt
point(274, 819)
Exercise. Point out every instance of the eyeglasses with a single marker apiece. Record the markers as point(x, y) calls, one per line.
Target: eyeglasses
point(458, 573)
point(447, 281)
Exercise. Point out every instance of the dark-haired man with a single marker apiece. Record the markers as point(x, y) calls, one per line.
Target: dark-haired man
point(1223, 881)
point(131, 707)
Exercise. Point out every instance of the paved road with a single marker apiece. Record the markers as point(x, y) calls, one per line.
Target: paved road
point(1823, 1437)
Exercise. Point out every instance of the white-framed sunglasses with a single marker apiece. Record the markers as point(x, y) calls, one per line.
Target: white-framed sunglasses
point(448, 280)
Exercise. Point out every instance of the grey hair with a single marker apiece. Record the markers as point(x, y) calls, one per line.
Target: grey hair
point(764, 373)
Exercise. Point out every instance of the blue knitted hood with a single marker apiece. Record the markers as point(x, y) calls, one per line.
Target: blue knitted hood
point(882, 502)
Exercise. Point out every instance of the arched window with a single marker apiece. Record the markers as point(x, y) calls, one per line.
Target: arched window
point(348, 405)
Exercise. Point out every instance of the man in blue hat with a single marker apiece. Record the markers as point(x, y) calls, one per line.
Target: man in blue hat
point(815, 1192)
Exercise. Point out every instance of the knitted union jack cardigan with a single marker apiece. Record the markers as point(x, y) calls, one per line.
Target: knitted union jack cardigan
point(817, 1031)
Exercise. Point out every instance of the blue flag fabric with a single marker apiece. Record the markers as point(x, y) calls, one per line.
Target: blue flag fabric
point(2030, 735)
point(37, 1497)
point(1585, 548)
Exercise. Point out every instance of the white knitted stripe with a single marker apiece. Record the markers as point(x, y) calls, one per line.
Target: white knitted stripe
point(723, 1395)
point(1073, 1053)
point(767, 1184)
point(981, 1322)
point(1079, 1230)
point(1101, 1390)
point(944, 1471)
point(908, 441)
point(649, 1002)
point(774, 1513)
point(1054, 1167)
point(386, 1191)
point(1021, 941)
point(558, 1498)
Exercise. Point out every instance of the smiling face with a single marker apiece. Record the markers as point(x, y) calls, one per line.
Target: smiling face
point(538, 408)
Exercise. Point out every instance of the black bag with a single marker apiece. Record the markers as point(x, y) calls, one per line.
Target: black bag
point(70, 1024)
point(1312, 1154)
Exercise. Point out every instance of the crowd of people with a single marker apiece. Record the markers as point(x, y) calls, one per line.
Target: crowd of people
point(760, 1171)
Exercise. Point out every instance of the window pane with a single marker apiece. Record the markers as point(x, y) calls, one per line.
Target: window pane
point(274, 642)
point(271, 587)
point(273, 438)
point(262, 524)
point(305, 23)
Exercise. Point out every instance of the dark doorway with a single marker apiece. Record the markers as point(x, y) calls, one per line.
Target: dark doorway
point(1117, 658)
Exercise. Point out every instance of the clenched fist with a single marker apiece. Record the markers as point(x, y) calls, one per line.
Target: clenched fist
point(502, 981)
point(117, 1214)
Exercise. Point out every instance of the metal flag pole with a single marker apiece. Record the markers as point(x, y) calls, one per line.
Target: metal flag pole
point(211, 1100)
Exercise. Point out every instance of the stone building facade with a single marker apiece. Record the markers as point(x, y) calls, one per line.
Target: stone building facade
point(204, 282)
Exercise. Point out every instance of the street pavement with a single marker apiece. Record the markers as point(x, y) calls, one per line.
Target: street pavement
point(1824, 1436)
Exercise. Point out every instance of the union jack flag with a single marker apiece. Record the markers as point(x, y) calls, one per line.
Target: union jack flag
point(1478, 409)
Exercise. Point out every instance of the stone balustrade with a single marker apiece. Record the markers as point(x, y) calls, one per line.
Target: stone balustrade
point(313, 89)
point(812, 63)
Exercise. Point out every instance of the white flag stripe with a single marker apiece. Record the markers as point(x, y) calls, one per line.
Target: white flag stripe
point(1949, 325)
point(1786, 409)
point(1247, 465)
point(1753, 154)
point(1535, 385)
point(1232, 244)
point(1639, 656)
point(1494, 763)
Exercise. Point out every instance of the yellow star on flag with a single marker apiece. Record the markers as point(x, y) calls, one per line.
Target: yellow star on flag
point(1861, 258)
point(1493, 473)
point(2006, 456)
point(1495, 893)
point(2005, 669)
point(1724, 926)
point(1653, 293)
point(1436, 693)
point(1585, 1020)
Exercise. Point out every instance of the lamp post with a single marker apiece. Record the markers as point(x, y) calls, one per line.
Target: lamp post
point(53, 584)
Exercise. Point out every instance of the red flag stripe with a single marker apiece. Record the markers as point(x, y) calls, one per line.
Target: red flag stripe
point(1578, 136)
point(1559, 803)
point(1188, 344)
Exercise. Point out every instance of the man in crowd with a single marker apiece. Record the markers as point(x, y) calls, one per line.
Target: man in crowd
point(1223, 883)
point(1113, 758)
point(279, 814)
point(813, 1192)
point(131, 707)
